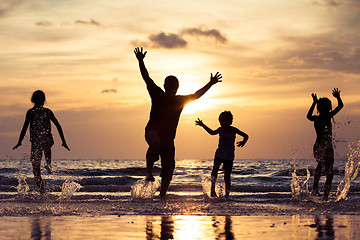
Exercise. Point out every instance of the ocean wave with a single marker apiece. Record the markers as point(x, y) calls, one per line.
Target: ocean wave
point(132, 171)
point(8, 170)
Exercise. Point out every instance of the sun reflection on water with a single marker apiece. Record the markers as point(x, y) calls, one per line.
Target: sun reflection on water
point(187, 227)
point(192, 227)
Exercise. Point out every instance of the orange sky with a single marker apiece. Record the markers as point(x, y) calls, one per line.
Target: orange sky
point(272, 55)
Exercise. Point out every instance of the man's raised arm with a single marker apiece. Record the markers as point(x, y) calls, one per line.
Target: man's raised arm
point(140, 55)
point(213, 80)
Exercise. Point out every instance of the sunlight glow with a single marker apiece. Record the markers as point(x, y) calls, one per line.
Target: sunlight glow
point(191, 227)
point(184, 62)
point(199, 105)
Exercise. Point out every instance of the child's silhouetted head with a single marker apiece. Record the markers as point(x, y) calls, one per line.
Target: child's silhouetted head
point(225, 118)
point(38, 98)
point(171, 84)
point(324, 105)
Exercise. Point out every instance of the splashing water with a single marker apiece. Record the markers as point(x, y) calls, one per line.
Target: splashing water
point(206, 187)
point(351, 171)
point(68, 189)
point(22, 187)
point(298, 189)
point(143, 189)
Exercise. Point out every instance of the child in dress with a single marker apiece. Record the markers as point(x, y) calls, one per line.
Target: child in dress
point(41, 139)
point(225, 153)
point(323, 147)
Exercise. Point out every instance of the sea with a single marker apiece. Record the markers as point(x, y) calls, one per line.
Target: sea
point(252, 179)
point(102, 181)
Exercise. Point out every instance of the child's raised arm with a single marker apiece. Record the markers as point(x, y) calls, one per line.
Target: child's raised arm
point(200, 123)
point(311, 110)
point(23, 131)
point(336, 94)
point(61, 133)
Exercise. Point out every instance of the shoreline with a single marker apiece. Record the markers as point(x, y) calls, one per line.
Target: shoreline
point(177, 205)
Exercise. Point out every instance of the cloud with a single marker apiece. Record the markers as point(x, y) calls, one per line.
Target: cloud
point(168, 40)
point(335, 60)
point(77, 22)
point(199, 32)
point(177, 40)
point(331, 3)
point(44, 24)
point(321, 52)
point(109, 91)
point(337, 3)
point(90, 22)
point(8, 6)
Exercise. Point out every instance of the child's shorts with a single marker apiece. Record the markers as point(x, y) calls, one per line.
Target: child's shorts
point(227, 164)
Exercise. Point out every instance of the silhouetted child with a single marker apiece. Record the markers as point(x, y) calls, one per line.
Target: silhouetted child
point(323, 147)
point(41, 139)
point(160, 130)
point(225, 153)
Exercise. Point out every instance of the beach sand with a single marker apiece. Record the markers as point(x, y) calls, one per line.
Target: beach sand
point(178, 205)
point(179, 217)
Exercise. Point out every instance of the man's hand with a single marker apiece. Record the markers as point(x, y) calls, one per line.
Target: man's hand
point(215, 79)
point(139, 53)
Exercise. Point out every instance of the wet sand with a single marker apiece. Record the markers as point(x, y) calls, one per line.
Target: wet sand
point(177, 205)
point(179, 217)
point(181, 227)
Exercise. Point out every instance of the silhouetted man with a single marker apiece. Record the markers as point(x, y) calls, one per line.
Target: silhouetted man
point(165, 112)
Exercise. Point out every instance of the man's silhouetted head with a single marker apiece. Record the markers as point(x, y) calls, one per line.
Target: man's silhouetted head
point(171, 84)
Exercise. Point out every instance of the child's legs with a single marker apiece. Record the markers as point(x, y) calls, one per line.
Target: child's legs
point(36, 155)
point(47, 154)
point(317, 175)
point(214, 173)
point(329, 175)
point(227, 175)
point(216, 167)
